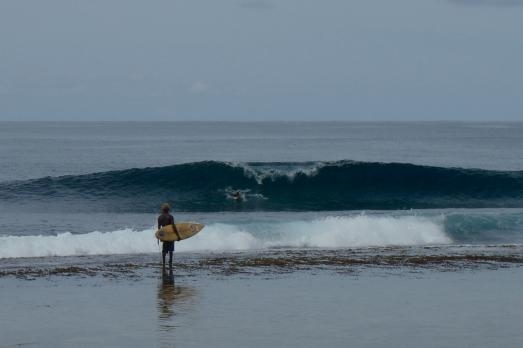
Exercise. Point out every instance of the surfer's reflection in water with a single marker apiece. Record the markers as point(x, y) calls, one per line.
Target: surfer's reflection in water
point(174, 302)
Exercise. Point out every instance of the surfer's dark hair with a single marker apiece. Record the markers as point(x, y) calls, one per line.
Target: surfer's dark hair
point(166, 207)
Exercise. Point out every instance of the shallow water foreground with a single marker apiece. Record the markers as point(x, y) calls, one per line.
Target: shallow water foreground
point(374, 307)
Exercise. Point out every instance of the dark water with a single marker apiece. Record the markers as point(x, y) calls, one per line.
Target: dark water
point(279, 186)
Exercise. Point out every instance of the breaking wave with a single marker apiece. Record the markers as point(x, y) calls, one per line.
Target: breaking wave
point(328, 232)
point(306, 186)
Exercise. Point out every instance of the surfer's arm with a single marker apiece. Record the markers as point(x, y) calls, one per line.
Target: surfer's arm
point(175, 229)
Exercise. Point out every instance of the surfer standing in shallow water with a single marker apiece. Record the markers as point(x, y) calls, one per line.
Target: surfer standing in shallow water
point(167, 247)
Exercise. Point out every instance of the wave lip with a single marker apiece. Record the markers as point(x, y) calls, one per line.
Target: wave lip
point(290, 186)
point(329, 232)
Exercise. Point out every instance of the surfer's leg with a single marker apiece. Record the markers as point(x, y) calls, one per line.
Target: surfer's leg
point(164, 253)
point(168, 247)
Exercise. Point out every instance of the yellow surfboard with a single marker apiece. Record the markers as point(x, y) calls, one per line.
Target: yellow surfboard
point(183, 230)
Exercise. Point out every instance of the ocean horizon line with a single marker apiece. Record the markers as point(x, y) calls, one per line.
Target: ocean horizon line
point(267, 121)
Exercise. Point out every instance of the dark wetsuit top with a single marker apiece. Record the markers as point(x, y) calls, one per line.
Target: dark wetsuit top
point(164, 220)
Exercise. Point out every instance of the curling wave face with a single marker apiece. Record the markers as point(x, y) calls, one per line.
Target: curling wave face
point(304, 186)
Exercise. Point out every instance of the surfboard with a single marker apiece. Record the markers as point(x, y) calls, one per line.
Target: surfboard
point(185, 230)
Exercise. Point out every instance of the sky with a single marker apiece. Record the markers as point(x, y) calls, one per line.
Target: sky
point(253, 60)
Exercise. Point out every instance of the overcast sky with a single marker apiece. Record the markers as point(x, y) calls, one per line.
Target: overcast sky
point(261, 59)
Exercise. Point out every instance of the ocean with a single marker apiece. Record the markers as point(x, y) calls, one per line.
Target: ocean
point(73, 189)
point(79, 201)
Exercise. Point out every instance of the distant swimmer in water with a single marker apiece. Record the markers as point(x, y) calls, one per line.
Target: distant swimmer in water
point(167, 247)
point(237, 196)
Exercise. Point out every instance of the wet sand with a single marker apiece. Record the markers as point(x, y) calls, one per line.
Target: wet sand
point(248, 301)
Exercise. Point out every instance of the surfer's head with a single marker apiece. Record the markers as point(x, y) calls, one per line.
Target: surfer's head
point(166, 207)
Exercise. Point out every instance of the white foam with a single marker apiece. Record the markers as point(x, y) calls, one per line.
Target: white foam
point(260, 173)
point(329, 232)
point(67, 244)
